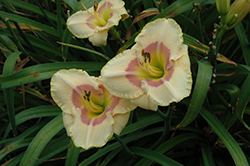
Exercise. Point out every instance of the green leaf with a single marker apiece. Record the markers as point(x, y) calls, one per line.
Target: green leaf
point(71, 3)
point(189, 25)
point(241, 33)
point(232, 146)
point(34, 9)
point(67, 36)
point(20, 19)
point(207, 156)
point(115, 145)
point(169, 144)
point(195, 44)
point(54, 148)
point(45, 71)
point(35, 112)
point(154, 156)
point(59, 21)
point(231, 89)
point(199, 93)
point(18, 144)
point(243, 100)
point(40, 141)
point(15, 160)
point(179, 7)
point(72, 154)
point(8, 43)
point(141, 124)
point(111, 156)
point(8, 69)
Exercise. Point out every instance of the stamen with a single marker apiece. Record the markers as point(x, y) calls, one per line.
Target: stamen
point(92, 107)
point(87, 9)
point(150, 69)
point(146, 56)
point(87, 95)
point(95, 5)
point(99, 19)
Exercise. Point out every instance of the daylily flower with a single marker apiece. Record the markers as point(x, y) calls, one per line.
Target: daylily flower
point(90, 113)
point(155, 71)
point(95, 22)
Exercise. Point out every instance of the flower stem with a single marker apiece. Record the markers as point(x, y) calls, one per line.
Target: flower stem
point(161, 114)
point(85, 49)
point(123, 145)
point(214, 50)
point(115, 34)
point(167, 123)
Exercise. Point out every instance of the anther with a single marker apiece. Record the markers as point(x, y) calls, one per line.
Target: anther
point(146, 56)
point(95, 5)
point(87, 95)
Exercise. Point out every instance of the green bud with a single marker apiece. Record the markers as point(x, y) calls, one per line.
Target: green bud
point(232, 19)
point(240, 8)
point(222, 6)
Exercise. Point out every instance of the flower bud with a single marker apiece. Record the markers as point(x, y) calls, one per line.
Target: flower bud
point(238, 10)
point(222, 6)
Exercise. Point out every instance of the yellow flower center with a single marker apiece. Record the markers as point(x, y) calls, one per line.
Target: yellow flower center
point(90, 105)
point(149, 68)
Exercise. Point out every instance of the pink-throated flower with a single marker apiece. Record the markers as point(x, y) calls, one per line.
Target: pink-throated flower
point(155, 71)
point(95, 22)
point(90, 113)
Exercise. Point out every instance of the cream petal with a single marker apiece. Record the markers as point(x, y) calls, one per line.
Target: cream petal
point(114, 19)
point(144, 102)
point(116, 79)
point(165, 31)
point(120, 5)
point(123, 106)
point(174, 88)
point(120, 122)
point(99, 38)
point(62, 84)
point(87, 136)
point(68, 121)
point(124, 14)
point(116, 11)
point(77, 24)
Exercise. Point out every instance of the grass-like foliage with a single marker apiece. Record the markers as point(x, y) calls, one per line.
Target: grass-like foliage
point(208, 128)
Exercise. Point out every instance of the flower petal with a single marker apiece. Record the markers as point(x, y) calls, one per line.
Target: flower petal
point(99, 38)
point(79, 25)
point(144, 102)
point(90, 135)
point(120, 105)
point(122, 75)
point(68, 121)
point(65, 82)
point(171, 88)
point(120, 5)
point(120, 122)
point(165, 31)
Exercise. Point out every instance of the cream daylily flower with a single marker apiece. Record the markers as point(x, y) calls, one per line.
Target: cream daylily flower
point(90, 113)
point(155, 71)
point(97, 20)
